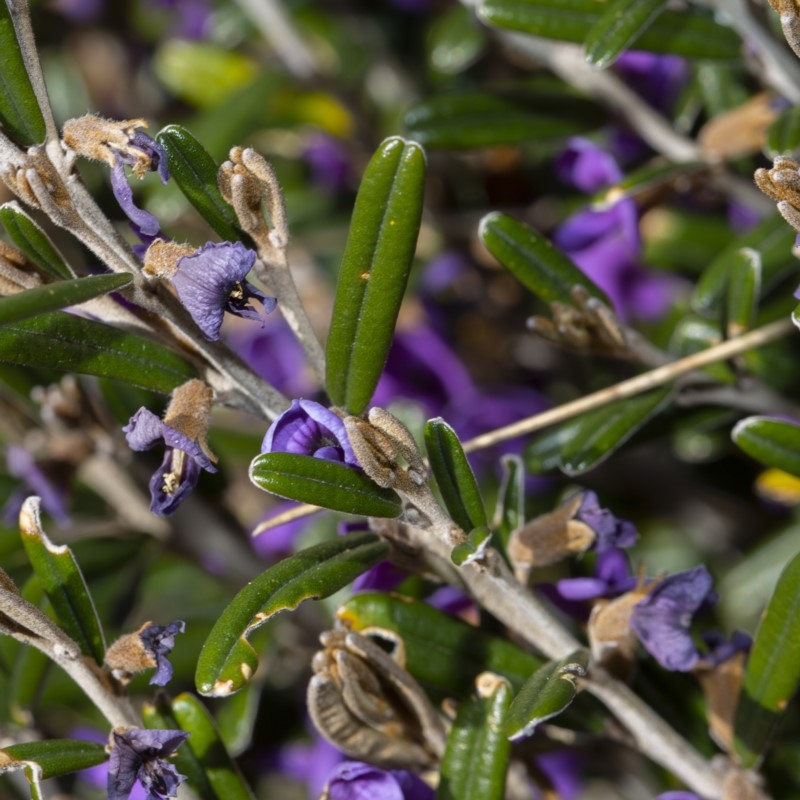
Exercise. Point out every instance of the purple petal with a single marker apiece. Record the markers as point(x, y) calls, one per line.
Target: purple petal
point(354, 780)
point(159, 640)
point(154, 151)
point(308, 428)
point(138, 754)
point(721, 649)
point(164, 503)
point(662, 619)
point(586, 166)
point(35, 481)
point(206, 280)
point(143, 220)
point(610, 531)
point(383, 577)
point(144, 430)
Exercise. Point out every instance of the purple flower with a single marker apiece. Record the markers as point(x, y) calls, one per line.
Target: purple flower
point(143, 154)
point(159, 640)
point(663, 618)
point(657, 78)
point(81, 11)
point(35, 481)
point(606, 244)
point(212, 281)
point(193, 17)
point(308, 428)
point(138, 755)
point(328, 162)
point(609, 530)
point(612, 577)
point(179, 471)
point(354, 780)
point(679, 795)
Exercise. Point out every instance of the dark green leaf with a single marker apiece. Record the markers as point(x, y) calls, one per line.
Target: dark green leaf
point(690, 33)
point(53, 296)
point(475, 761)
point(63, 583)
point(195, 172)
point(441, 651)
point(203, 759)
point(773, 669)
point(744, 289)
point(546, 694)
point(33, 242)
point(533, 260)
point(55, 757)
point(783, 136)
point(227, 660)
point(323, 483)
point(19, 109)
point(543, 452)
point(374, 271)
point(773, 239)
point(601, 432)
point(68, 343)
point(623, 22)
point(455, 41)
point(510, 511)
point(473, 119)
point(773, 442)
point(454, 476)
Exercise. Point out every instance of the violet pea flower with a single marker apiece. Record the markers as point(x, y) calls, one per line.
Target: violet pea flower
point(184, 458)
point(212, 281)
point(139, 755)
point(354, 780)
point(662, 619)
point(308, 428)
point(35, 481)
point(158, 641)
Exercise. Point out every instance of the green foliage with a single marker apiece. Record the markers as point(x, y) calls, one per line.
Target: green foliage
point(227, 660)
point(374, 271)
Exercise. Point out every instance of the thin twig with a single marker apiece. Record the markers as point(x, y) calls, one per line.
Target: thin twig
point(781, 70)
point(633, 386)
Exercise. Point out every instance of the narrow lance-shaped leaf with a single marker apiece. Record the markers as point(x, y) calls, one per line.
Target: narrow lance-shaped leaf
point(51, 758)
point(195, 172)
point(772, 239)
point(622, 23)
point(510, 511)
point(546, 694)
point(227, 660)
point(441, 651)
point(19, 108)
point(203, 759)
point(475, 761)
point(773, 669)
point(744, 289)
point(64, 342)
point(471, 119)
point(543, 452)
point(534, 260)
point(454, 476)
point(323, 483)
point(773, 442)
point(54, 296)
point(374, 271)
point(33, 242)
point(63, 582)
point(600, 433)
point(689, 32)
point(652, 175)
